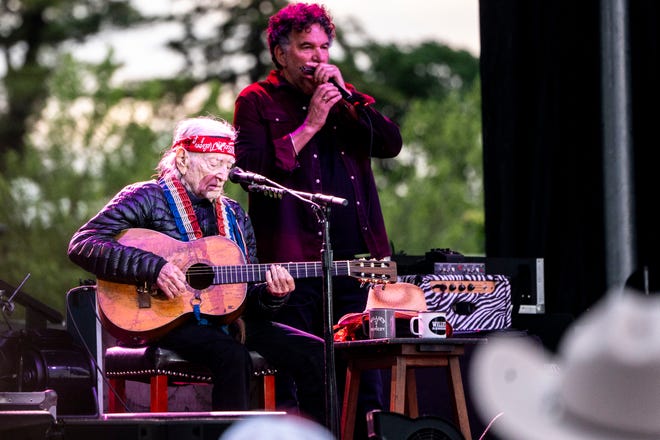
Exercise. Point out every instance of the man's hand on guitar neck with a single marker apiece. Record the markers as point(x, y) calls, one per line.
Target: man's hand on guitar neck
point(171, 281)
point(279, 281)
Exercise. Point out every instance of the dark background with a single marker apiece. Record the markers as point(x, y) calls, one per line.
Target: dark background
point(543, 142)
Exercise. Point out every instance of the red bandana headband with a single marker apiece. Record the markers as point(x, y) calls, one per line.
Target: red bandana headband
point(207, 144)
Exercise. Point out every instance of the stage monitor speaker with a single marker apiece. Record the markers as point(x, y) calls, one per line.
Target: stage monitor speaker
point(26, 425)
point(27, 415)
point(48, 359)
point(384, 425)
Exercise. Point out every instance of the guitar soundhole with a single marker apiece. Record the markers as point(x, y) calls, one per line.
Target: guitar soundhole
point(199, 276)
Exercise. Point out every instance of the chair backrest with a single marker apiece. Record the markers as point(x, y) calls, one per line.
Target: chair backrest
point(83, 325)
point(81, 320)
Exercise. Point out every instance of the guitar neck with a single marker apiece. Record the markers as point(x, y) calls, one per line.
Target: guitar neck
point(257, 272)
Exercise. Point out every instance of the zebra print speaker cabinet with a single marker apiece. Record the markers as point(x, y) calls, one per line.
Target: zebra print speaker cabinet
point(472, 302)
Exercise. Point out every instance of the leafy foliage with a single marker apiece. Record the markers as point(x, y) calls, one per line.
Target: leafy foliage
point(432, 195)
point(83, 138)
point(32, 34)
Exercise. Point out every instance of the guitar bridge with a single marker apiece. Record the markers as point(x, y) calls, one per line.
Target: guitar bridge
point(143, 297)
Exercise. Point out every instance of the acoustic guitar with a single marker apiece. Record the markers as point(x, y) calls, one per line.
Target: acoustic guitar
point(138, 315)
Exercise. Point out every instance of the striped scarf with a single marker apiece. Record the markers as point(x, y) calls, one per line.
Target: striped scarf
point(186, 219)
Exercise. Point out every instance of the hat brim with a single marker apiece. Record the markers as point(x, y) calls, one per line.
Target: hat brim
point(514, 385)
point(356, 318)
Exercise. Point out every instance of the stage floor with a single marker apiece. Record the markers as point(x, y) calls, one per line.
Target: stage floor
point(41, 425)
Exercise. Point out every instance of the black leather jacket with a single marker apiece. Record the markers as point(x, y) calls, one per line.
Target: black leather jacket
point(143, 205)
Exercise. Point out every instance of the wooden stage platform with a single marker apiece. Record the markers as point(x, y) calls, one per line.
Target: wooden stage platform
point(41, 425)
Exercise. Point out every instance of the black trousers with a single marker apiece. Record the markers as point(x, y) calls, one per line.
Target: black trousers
point(304, 311)
point(297, 354)
point(293, 352)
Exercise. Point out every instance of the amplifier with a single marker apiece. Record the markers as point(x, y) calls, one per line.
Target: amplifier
point(459, 268)
point(47, 359)
point(473, 303)
point(527, 280)
point(526, 275)
point(461, 284)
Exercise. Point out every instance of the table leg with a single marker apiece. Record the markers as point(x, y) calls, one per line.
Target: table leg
point(349, 407)
point(458, 396)
point(412, 409)
point(398, 386)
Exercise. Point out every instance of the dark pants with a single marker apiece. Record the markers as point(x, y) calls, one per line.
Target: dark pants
point(296, 354)
point(304, 310)
point(228, 360)
point(291, 351)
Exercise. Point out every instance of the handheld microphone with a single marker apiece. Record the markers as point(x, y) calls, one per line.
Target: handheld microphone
point(237, 175)
point(344, 93)
point(308, 70)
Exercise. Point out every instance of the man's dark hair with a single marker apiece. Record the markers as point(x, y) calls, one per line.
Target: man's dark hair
point(296, 17)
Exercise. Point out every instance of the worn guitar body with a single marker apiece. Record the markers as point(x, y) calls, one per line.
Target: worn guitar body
point(141, 317)
point(136, 315)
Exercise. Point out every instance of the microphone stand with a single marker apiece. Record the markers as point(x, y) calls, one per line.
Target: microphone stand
point(8, 307)
point(321, 206)
point(7, 304)
point(331, 399)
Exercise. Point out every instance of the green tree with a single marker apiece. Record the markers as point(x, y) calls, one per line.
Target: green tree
point(397, 75)
point(85, 138)
point(32, 34)
point(432, 195)
point(234, 50)
point(62, 175)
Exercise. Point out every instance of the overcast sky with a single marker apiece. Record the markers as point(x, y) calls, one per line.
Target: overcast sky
point(451, 22)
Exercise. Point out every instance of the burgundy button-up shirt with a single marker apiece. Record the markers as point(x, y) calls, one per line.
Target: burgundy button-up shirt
point(336, 162)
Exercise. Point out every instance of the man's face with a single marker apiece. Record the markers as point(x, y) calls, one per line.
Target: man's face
point(206, 173)
point(308, 46)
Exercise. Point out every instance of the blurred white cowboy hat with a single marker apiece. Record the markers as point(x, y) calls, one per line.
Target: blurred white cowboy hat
point(603, 384)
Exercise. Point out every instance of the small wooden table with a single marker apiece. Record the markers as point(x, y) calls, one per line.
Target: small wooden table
point(403, 355)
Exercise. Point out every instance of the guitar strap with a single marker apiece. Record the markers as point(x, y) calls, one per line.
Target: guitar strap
point(188, 226)
point(228, 225)
point(186, 219)
point(181, 207)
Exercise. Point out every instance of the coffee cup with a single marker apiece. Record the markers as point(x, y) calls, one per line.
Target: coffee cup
point(429, 324)
point(382, 323)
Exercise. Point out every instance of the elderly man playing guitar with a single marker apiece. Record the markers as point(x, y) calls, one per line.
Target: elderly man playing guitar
point(176, 266)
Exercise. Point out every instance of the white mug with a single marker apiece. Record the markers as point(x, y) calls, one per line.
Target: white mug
point(382, 324)
point(430, 324)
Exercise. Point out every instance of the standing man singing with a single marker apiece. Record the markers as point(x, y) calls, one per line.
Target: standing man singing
point(307, 129)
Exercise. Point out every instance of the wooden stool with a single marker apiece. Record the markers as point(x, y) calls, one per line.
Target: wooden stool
point(160, 368)
point(403, 355)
